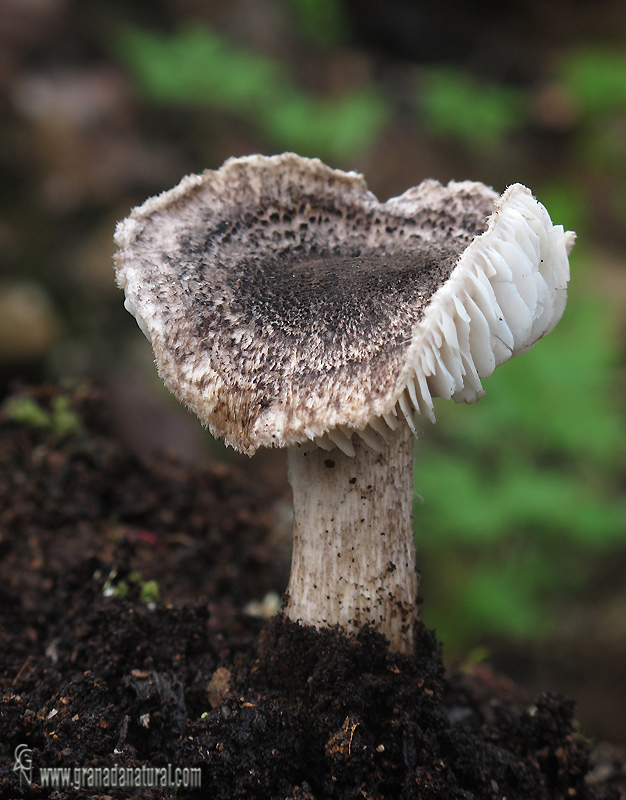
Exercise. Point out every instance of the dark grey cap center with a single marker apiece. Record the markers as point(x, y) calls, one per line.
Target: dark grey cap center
point(334, 293)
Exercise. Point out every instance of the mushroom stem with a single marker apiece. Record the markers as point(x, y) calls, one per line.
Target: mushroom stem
point(353, 557)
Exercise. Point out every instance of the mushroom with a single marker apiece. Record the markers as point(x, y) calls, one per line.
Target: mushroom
point(288, 307)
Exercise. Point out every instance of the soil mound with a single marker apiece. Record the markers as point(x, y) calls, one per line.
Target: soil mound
point(122, 645)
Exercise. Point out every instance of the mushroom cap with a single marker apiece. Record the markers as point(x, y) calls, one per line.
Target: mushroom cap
point(286, 304)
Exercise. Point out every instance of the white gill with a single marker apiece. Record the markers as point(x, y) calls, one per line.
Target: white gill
point(506, 292)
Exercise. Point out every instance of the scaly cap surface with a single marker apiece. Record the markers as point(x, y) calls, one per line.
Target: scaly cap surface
point(285, 304)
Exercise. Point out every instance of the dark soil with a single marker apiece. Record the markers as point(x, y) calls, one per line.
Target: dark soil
point(95, 671)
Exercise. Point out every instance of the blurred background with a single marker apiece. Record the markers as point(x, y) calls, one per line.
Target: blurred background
point(521, 533)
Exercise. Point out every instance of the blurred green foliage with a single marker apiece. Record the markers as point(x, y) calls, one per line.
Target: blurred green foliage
point(118, 586)
point(198, 66)
point(455, 104)
point(61, 419)
point(596, 80)
point(320, 21)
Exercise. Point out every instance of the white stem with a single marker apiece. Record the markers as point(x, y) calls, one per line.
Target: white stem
point(353, 552)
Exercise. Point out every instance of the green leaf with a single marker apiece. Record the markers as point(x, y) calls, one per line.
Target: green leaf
point(64, 419)
point(334, 125)
point(460, 505)
point(497, 593)
point(149, 592)
point(596, 78)
point(477, 113)
point(198, 66)
point(26, 411)
point(514, 496)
